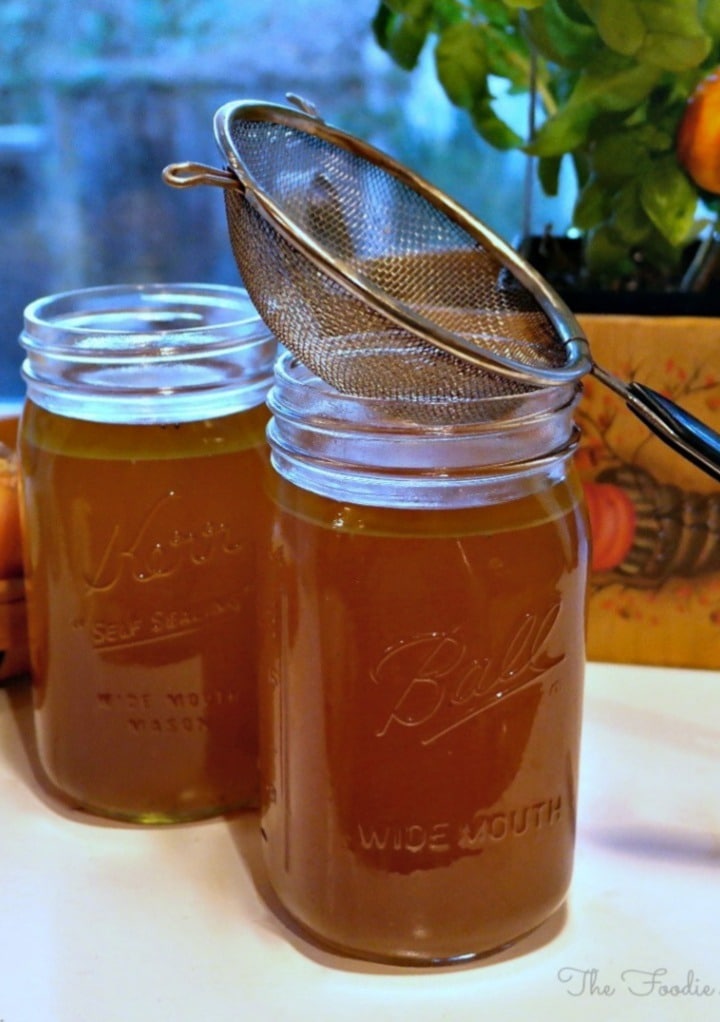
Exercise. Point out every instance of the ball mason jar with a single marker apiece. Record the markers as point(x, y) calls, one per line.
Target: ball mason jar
point(141, 454)
point(422, 660)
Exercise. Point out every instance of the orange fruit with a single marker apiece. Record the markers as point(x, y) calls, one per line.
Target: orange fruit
point(11, 564)
point(698, 138)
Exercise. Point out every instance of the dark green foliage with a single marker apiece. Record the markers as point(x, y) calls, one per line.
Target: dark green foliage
point(612, 77)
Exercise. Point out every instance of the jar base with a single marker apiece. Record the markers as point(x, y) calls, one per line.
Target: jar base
point(409, 959)
point(142, 817)
point(159, 819)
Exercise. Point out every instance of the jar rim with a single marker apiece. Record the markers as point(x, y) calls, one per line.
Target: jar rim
point(298, 390)
point(58, 318)
point(145, 353)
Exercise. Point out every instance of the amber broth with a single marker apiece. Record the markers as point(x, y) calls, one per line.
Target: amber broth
point(140, 566)
point(420, 717)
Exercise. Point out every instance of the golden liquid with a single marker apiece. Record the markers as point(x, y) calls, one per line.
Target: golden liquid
point(140, 546)
point(420, 716)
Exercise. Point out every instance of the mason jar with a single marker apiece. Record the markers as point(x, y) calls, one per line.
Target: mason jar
point(422, 659)
point(141, 455)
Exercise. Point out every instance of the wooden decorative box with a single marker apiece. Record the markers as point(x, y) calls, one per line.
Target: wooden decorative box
point(655, 518)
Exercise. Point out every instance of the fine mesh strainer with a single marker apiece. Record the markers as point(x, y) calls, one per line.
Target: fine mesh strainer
point(384, 287)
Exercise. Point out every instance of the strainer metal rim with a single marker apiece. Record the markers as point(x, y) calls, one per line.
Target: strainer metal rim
point(578, 360)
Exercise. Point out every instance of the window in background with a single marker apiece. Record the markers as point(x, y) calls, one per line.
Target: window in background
point(96, 100)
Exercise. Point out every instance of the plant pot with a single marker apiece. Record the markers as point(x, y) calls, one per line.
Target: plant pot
point(655, 518)
point(560, 260)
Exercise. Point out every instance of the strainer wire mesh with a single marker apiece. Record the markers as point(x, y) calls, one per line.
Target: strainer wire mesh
point(373, 226)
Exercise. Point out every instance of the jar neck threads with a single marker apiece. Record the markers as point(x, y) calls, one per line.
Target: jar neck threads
point(356, 450)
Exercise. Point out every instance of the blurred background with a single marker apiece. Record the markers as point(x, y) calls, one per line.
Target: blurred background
point(97, 97)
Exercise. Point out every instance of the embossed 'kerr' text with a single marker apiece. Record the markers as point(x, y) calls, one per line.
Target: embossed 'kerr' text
point(159, 547)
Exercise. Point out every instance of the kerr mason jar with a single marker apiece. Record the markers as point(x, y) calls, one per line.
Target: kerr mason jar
point(141, 454)
point(421, 670)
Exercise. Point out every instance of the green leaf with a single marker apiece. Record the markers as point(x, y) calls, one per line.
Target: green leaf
point(709, 15)
point(610, 83)
point(409, 8)
point(496, 12)
point(670, 17)
point(563, 132)
point(561, 38)
point(491, 127)
point(581, 166)
point(401, 29)
point(620, 25)
point(447, 12)
point(655, 136)
point(629, 220)
point(679, 89)
point(406, 44)
point(526, 5)
point(606, 254)
point(461, 63)
point(619, 156)
point(674, 53)
point(548, 172)
point(669, 200)
point(574, 9)
point(613, 82)
point(667, 34)
point(508, 56)
point(592, 206)
point(381, 24)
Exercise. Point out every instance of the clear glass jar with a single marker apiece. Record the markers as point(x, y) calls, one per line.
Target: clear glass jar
point(422, 657)
point(141, 456)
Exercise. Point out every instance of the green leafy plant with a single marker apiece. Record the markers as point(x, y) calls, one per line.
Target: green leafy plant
point(611, 81)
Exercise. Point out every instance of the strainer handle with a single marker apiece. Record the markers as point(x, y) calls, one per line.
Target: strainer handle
point(690, 437)
point(188, 175)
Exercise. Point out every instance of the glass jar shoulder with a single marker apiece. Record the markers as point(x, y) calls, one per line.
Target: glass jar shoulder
point(539, 504)
point(41, 429)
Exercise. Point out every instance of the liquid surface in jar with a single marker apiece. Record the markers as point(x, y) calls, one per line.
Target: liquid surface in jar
point(140, 573)
point(420, 715)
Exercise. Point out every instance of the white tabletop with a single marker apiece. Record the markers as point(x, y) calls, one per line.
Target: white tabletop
point(105, 923)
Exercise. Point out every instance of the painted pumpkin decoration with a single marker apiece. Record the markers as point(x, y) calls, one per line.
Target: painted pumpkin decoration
point(645, 532)
point(612, 524)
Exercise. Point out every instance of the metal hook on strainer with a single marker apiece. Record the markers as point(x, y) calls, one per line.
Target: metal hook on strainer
point(385, 287)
